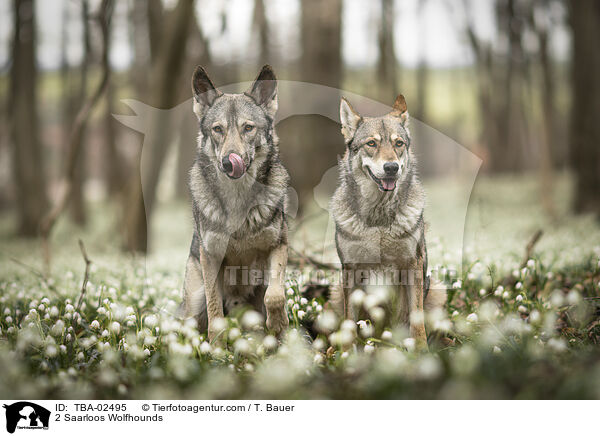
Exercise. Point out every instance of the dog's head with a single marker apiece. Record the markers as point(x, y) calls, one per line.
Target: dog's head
point(236, 127)
point(378, 146)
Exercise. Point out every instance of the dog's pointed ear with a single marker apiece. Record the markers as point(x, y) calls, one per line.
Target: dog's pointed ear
point(264, 90)
point(204, 91)
point(349, 119)
point(400, 110)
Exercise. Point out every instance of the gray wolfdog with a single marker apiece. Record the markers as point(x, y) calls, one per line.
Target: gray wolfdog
point(239, 199)
point(378, 213)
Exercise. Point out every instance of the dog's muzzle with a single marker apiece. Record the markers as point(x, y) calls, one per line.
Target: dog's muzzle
point(233, 165)
point(384, 183)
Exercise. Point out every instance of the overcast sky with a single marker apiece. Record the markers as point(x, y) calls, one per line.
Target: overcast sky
point(435, 34)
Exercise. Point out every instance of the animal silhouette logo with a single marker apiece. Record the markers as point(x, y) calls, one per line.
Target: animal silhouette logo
point(26, 415)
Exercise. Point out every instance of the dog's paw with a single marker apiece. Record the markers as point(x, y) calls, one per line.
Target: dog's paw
point(277, 321)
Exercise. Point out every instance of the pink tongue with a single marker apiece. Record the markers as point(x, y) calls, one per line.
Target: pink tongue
point(388, 185)
point(237, 165)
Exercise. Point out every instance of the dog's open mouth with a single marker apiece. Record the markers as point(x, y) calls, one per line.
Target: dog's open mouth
point(384, 184)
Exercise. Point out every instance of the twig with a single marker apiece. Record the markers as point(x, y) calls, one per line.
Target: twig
point(29, 268)
point(76, 136)
point(530, 246)
point(311, 260)
point(86, 274)
point(510, 280)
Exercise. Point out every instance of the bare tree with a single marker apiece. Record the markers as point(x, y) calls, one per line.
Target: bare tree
point(75, 140)
point(28, 170)
point(386, 63)
point(321, 63)
point(585, 128)
point(164, 77)
point(77, 202)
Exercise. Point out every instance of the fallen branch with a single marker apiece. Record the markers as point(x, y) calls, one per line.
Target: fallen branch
point(509, 280)
point(75, 140)
point(311, 260)
point(86, 274)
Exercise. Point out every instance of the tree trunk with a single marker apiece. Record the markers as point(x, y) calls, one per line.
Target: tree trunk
point(28, 170)
point(386, 64)
point(164, 77)
point(77, 204)
point(585, 107)
point(304, 137)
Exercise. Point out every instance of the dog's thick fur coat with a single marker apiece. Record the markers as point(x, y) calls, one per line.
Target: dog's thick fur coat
point(240, 220)
point(378, 210)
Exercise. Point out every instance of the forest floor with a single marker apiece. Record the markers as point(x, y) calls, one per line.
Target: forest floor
point(518, 323)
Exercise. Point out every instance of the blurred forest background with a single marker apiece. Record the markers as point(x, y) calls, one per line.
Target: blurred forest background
point(515, 81)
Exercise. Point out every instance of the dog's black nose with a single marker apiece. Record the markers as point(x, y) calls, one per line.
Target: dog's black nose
point(227, 166)
point(390, 168)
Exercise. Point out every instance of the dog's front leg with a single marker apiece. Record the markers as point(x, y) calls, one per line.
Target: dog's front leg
point(277, 319)
point(211, 265)
point(415, 304)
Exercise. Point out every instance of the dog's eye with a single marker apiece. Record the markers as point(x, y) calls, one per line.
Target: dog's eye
point(218, 129)
point(248, 128)
point(399, 143)
point(371, 143)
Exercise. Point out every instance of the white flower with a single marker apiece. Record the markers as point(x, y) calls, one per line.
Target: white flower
point(151, 321)
point(472, 317)
point(95, 324)
point(251, 319)
point(556, 299)
point(51, 350)
point(573, 297)
point(69, 308)
point(497, 350)
point(326, 322)
point(369, 349)
point(80, 356)
point(349, 325)
point(8, 319)
point(519, 298)
point(482, 292)
point(409, 343)
point(301, 314)
point(319, 344)
point(303, 301)
point(519, 285)
point(147, 352)
point(506, 295)
point(499, 290)
point(535, 316)
point(457, 284)
point(386, 335)
point(318, 359)
point(58, 328)
point(101, 310)
point(205, 348)
point(377, 313)
point(455, 314)
point(54, 311)
point(269, 342)
point(357, 297)
point(522, 309)
point(290, 292)
point(115, 327)
point(234, 333)
point(42, 308)
point(241, 346)
point(531, 263)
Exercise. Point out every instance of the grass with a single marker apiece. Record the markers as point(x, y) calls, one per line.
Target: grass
point(512, 332)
